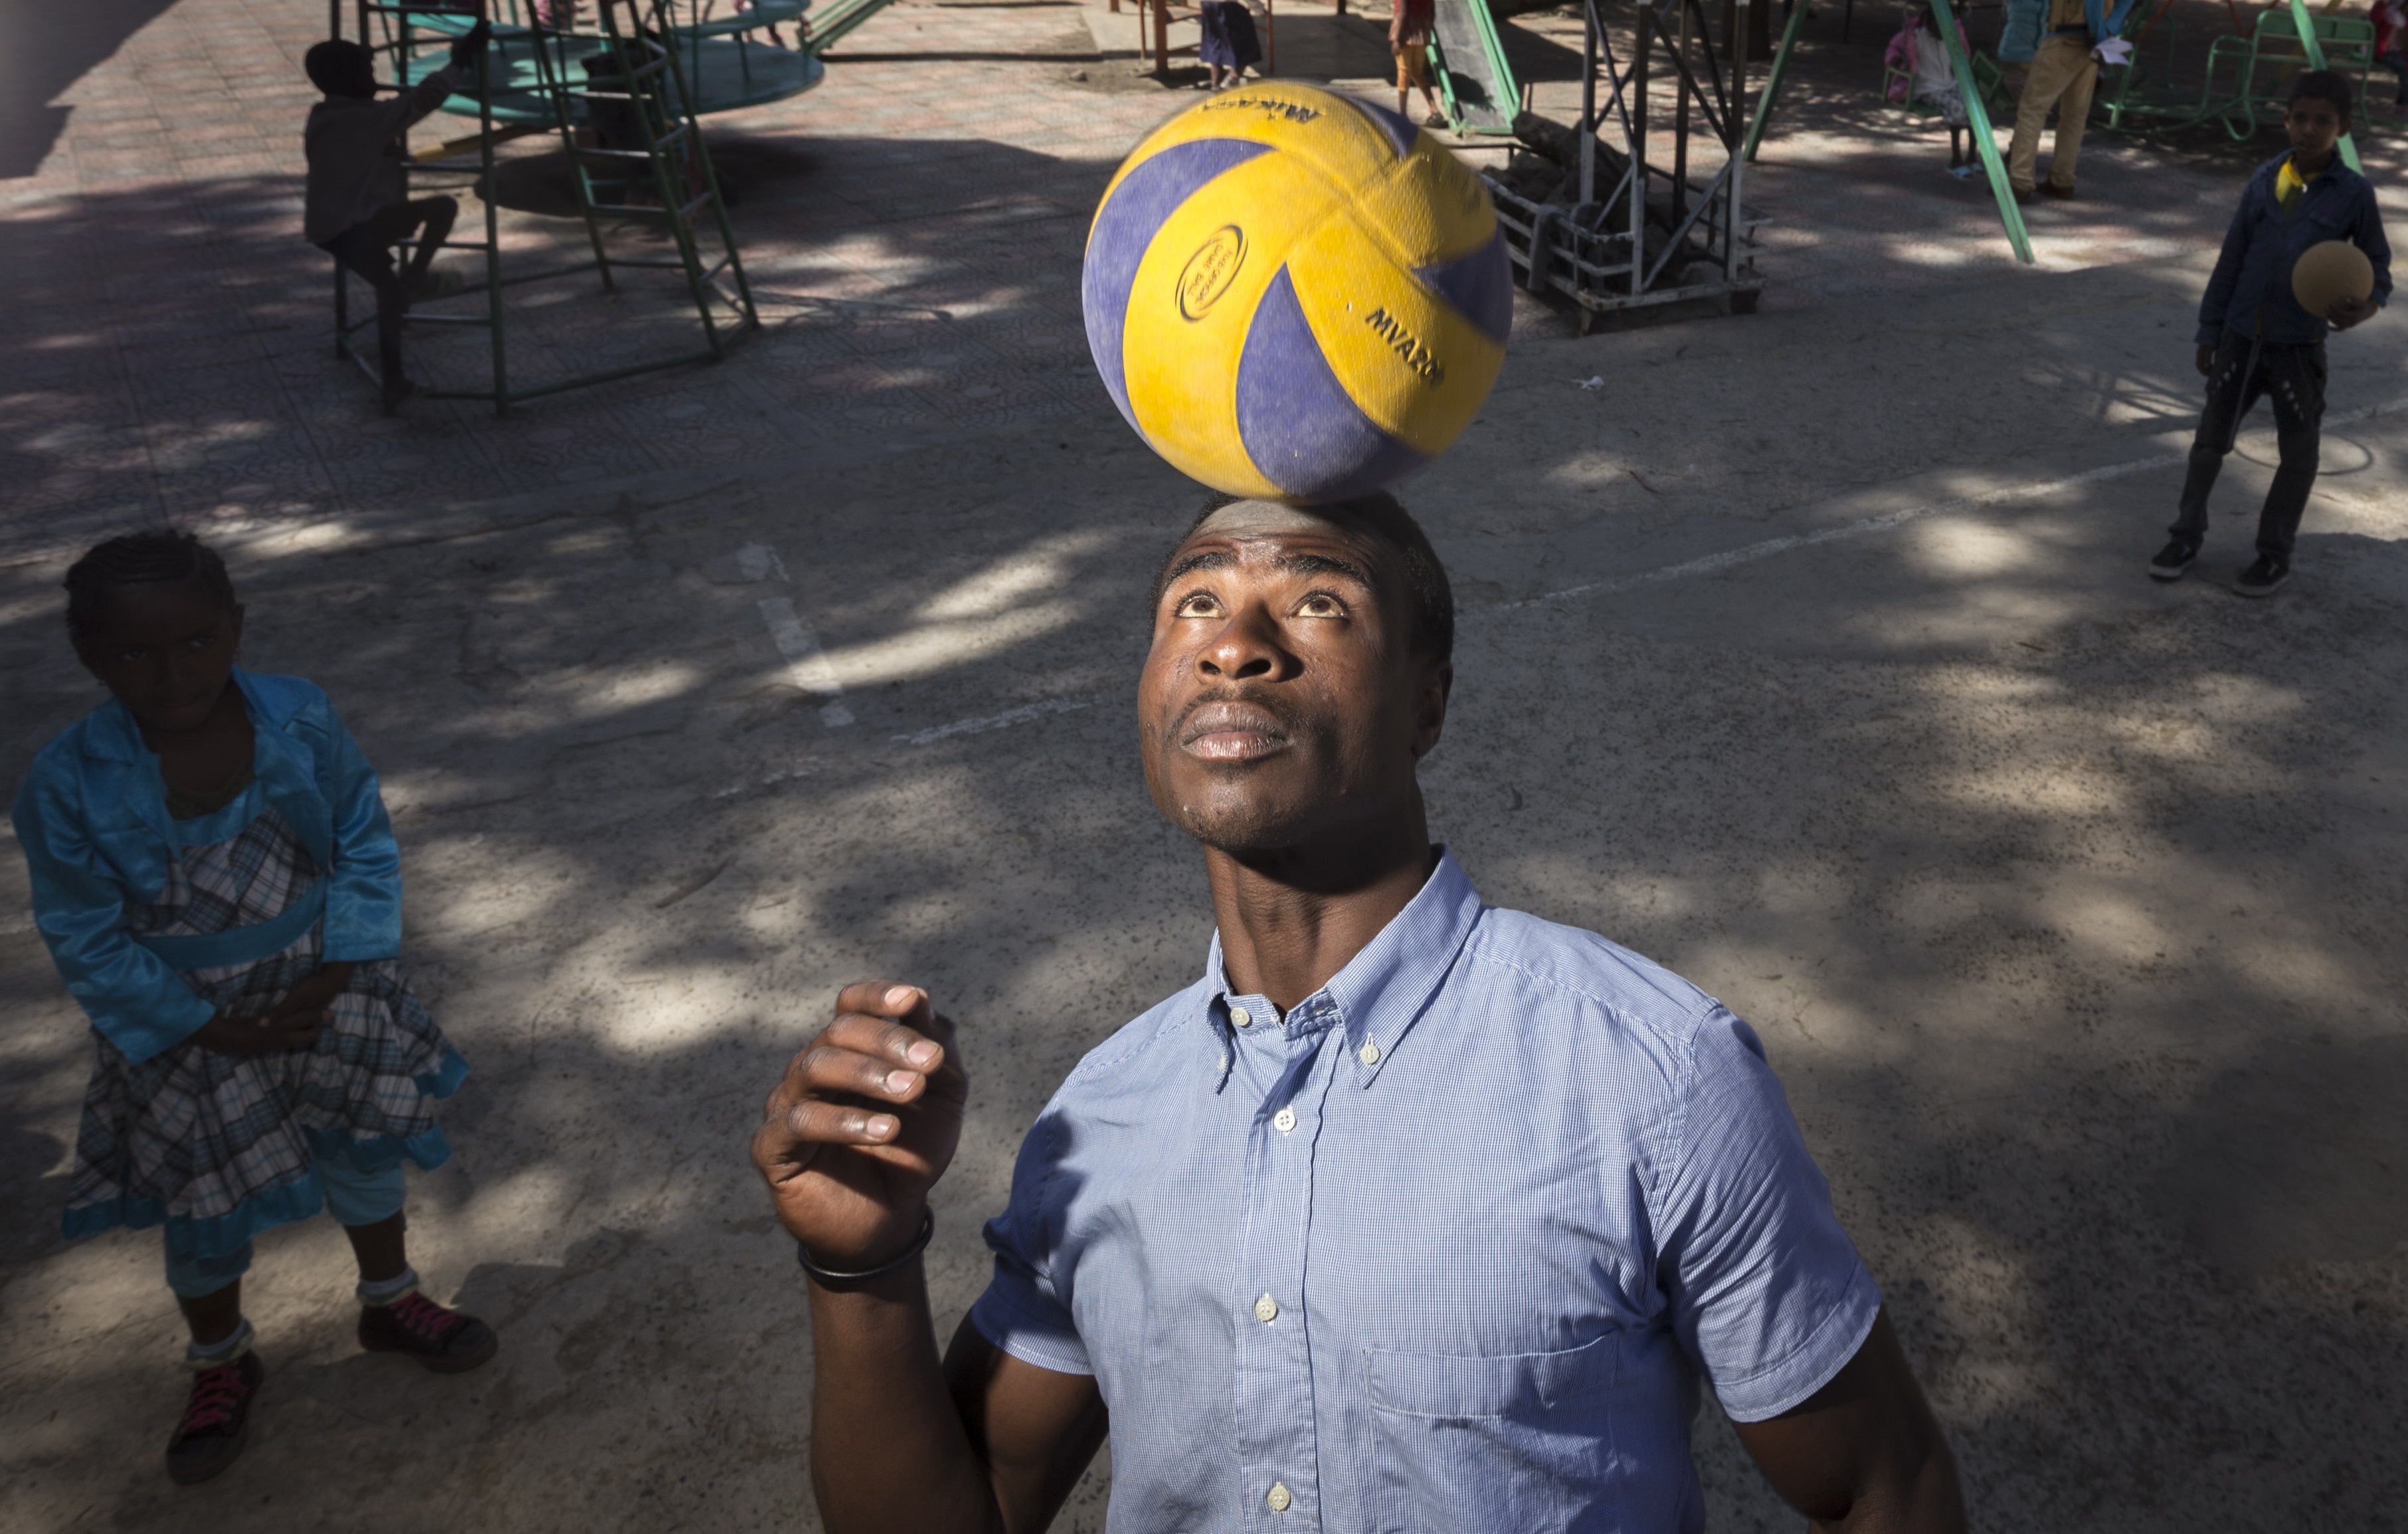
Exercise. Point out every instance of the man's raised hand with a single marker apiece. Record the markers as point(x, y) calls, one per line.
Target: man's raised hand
point(864, 1122)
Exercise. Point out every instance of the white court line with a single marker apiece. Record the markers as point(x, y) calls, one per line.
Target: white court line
point(1749, 554)
point(808, 668)
point(1025, 713)
point(811, 670)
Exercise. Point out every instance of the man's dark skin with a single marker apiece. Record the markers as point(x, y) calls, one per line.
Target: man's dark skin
point(166, 648)
point(1280, 714)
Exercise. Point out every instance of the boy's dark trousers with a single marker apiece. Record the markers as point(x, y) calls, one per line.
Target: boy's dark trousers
point(365, 250)
point(2246, 370)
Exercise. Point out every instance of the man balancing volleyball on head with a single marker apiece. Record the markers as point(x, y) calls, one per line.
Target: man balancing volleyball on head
point(2305, 256)
point(1411, 1213)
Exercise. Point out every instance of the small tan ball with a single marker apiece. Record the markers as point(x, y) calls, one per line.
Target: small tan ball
point(2328, 272)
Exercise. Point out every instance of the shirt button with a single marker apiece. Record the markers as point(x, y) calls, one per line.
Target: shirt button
point(1267, 1310)
point(1279, 1498)
point(1284, 1120)
point(1369, 1054)
point(1240, 1016)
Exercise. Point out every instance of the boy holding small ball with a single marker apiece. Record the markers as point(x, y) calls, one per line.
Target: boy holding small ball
point(2255, 340)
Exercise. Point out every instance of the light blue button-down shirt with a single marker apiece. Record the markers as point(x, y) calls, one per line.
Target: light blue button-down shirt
point(1448, 1248)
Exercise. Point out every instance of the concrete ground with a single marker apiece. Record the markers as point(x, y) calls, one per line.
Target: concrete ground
point(1808, 652)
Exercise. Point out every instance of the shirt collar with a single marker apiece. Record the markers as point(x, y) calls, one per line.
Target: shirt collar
point(1385, 989)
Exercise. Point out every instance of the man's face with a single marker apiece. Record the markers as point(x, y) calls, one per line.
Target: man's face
point(1282, 701)
point(2314, 125)
point(166, 648)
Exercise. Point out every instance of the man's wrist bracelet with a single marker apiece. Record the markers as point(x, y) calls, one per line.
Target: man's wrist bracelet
point(837, 1283)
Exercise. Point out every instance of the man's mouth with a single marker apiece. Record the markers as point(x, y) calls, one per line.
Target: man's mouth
point(1232, 732)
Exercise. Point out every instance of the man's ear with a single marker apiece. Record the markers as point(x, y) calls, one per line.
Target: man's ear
point(1430, 717)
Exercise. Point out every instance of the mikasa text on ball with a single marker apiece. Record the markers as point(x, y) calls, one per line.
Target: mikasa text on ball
point(1295, 296)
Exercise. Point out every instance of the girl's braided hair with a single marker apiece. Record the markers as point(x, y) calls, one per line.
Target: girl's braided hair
point(137, 559)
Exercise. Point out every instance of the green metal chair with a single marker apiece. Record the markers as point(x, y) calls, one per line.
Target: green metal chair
point(2246, 77)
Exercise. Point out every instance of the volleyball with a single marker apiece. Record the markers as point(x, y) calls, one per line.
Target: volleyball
point(1293, 295)
point(2329, 271)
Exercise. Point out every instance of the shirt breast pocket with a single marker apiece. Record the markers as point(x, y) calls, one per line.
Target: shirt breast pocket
point(1488, 1445)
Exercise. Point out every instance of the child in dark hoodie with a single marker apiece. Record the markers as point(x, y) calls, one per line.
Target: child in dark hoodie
point(357, 207)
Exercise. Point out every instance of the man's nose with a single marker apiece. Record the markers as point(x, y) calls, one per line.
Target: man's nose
point(1247, 647)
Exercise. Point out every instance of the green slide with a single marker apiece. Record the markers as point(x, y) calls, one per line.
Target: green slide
point(1473, 77)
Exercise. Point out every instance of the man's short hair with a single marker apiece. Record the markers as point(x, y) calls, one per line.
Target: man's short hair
point(2323, 85)
point(336, 65)
point(1380, 518)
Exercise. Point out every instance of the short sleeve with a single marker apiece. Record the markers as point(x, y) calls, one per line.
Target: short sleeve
point(1023, 1311)
point(1768, 1298)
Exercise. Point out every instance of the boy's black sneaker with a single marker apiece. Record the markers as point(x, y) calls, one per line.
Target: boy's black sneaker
point(217, 1420)
point(2173, 561)
point(2259, 580)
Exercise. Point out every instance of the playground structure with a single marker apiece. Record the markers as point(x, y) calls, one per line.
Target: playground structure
point(1628, 226)
point(615, 93)
point(624, 84)
point(1475, 81)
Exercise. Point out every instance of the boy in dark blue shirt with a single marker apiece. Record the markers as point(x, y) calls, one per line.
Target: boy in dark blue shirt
point(2254, 338)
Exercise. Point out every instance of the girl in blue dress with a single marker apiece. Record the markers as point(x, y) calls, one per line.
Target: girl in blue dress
point(215, 877)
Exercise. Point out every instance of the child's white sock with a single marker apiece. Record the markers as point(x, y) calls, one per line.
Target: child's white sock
point(225, 1350)
point(388, 1291)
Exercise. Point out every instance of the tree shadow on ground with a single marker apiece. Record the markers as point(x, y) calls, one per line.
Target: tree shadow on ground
point(195, 379)
point(1948, 890)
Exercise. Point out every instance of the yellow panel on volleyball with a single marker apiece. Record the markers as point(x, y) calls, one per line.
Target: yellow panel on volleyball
point(1427, 207)
point(1339, 143)
point(1406, 357)
point(1181, 366)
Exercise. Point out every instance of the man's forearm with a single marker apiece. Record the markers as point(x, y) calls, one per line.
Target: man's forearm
point(1925, 1500)
point(889, 1454)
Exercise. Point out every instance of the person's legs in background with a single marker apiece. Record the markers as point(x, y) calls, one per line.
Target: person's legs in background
point(370, 259)
point(432, 217)
point(365, 250)
point(2073, 117)
point(2053, 68)
point(2031, 117)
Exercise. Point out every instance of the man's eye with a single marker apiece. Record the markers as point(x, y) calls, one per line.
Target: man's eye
point(1198, 606)
point(1321, 605)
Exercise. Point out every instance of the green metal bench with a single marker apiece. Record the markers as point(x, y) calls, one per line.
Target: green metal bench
point(2246, 77)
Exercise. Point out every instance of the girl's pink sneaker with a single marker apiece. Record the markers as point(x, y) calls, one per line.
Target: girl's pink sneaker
point(437, 1336)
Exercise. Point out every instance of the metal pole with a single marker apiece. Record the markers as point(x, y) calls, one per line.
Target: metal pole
point(1681, 121)
point(2314, 49)
point(1772, 80)
point(1731, 120)
point(1588, 105)
point(1943, 14)
point(1643, 45)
